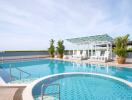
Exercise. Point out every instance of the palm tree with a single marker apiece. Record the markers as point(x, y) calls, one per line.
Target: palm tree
point(51, 49)
point(121, 48)
point(60, 48)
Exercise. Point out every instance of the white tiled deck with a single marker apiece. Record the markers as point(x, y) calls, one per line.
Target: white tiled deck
point(128, 63)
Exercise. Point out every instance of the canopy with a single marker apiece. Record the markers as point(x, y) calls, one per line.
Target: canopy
point(105, 38)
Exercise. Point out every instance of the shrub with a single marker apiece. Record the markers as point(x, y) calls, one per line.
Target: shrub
point(60, 48)
point(121, 46)
point(51, 49)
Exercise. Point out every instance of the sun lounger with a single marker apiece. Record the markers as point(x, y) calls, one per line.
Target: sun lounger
point(105, 57)
point(84, 55)
point(95, 57)
point(77, 55)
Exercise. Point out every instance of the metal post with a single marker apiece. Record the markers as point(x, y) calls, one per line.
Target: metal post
point(2, 59)
point(10, 73)
point(42, 92)
point(59, 91)
point(20, 75)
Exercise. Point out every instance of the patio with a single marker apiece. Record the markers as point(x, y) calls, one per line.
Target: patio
point(93, 44)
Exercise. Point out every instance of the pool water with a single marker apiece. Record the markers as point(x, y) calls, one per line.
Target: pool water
point(85, 87)
point(40, 68)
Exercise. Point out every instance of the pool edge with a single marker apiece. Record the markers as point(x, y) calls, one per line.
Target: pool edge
point(27, 93)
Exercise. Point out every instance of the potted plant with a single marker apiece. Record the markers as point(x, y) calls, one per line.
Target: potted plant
point(60, 49)
point(51, 49)
point(121, 48)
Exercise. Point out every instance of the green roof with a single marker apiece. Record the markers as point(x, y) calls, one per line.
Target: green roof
point(89, 39)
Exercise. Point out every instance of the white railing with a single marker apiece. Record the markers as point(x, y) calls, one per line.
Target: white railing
point(20, 73)
point(48, 94)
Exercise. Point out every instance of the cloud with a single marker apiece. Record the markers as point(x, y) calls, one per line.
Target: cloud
point(32, 22)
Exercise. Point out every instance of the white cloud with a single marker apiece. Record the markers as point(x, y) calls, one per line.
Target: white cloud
point(36, 21)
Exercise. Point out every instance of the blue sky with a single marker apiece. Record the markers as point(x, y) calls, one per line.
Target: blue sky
point(30, 24)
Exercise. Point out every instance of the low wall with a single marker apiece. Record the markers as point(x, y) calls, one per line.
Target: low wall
point(129, 55)
point(33, 53)
point(23, 53)
point(26, 53)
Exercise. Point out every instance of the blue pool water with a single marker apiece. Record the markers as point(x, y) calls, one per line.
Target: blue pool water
point(39, 68)
point(84, 87)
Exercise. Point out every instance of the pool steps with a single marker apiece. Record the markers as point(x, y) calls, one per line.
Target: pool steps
point(20, 73)
point(49, 94)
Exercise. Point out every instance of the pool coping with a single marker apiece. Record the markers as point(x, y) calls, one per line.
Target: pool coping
point(94, 62)
point(2, 82)
point(27, 93)
point(108, 64)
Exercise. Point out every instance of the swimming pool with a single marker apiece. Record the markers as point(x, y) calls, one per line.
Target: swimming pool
point(39, 68)
point(82, 86)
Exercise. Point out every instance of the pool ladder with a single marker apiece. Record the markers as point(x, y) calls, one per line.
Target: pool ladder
point(49, 94)
point(20, 73)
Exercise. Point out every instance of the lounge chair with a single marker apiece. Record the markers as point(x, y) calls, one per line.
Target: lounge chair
point(105, 57)
point(95, 57)
point(77, 55)
point(84, 55)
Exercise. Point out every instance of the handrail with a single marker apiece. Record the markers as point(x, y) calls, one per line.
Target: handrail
point(46, 85)
point(2, 59)
point(20, 70)
point(23, 71)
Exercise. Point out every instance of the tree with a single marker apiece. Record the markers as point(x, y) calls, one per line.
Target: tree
point(60, 48)
point(121, 47)
point(51, 49)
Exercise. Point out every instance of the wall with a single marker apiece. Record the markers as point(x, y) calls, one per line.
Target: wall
point(8, 54)
point(129, 55)
point(23, 53)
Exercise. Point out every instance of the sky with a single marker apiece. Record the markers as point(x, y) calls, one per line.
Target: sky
point(30, 24)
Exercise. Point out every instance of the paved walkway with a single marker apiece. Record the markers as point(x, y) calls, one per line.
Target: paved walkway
point(128, 63)
point(11, 92)
point(112, 63)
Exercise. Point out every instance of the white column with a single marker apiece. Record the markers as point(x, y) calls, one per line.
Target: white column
point(107, 49)
point(78, 49)
point(69, 52)
point(111, 51)
point(91, 50)
point(88, 50)
point(95, 48)
point(107, 46)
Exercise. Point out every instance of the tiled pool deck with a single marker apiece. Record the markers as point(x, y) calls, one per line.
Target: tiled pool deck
point(128, 63)
point(11, 92)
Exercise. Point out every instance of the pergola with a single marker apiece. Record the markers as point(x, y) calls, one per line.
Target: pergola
point(92, 43)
